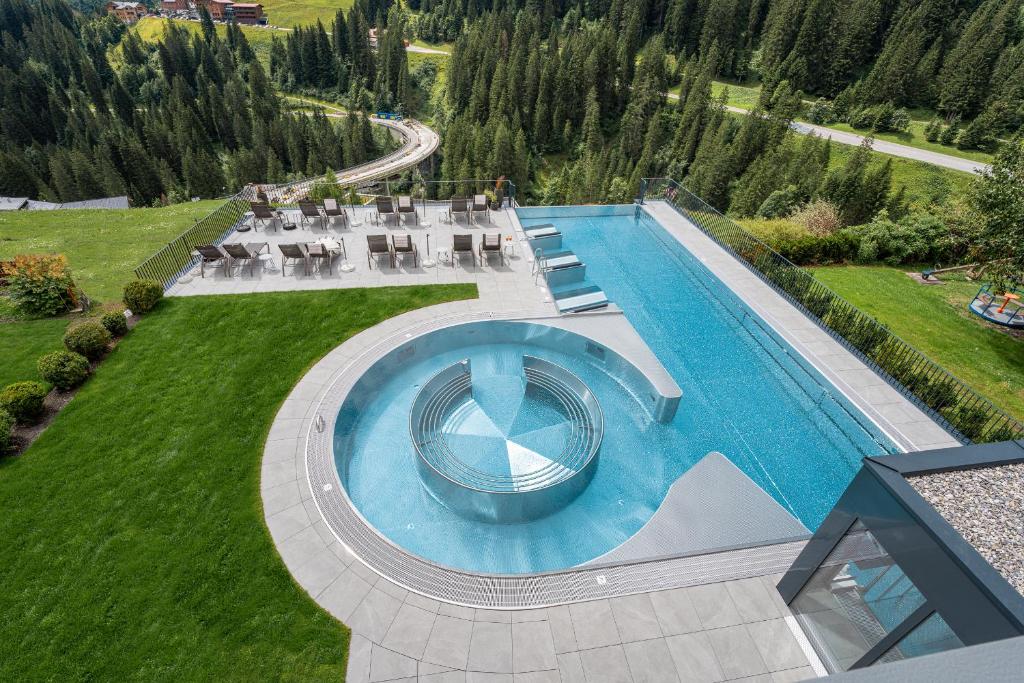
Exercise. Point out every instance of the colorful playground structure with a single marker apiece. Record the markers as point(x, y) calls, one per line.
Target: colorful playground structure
point(1001, 309)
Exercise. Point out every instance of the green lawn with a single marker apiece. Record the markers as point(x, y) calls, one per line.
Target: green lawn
point(134, 545)
point(914, 137)
point(152, 29)
point(926, 183)
point(21, 344)
point(103, 246)
point(936, 321)
point(289, 13)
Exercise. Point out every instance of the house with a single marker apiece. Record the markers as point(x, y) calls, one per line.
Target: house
point(248, 12)
point(173, 5)
point(26, 204)
point(128, 12)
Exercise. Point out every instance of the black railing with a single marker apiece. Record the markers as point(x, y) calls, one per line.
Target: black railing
point(177, 258)
point(969, 415)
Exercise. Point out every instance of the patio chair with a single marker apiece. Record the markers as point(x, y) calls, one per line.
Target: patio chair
point(245, 252)
point(402, 245)
point(209, 253)
point(386, 208)
point(480, 205)
point(491, 244)
point(320, 253)
point(309, 211)
point(459, 205)
point(462, 244)
point(377, 245)
point(405, 205)
point(294, 252)
point(262, 212)
point(262, 197)
point(331, 209)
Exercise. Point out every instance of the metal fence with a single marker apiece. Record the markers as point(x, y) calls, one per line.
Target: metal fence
point(177, 258)
point(970, 416)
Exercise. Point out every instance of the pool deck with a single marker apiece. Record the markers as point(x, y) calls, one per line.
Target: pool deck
point(721, 620)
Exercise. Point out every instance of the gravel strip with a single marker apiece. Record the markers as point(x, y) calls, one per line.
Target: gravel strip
point(986, 507)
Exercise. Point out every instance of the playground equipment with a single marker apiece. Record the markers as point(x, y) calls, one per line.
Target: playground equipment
point(1002, 309)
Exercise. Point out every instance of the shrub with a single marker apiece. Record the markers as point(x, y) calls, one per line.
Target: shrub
point(933, 130)
point(115, 323)
point(89, 339)
point(141, 296)
point(821, 112)
point(64, 369)
point(820, 217)
point(41, 284)
point(948, 135)
point(779, 203)
point(6, 425)
point(24, 401)
point(919, 237)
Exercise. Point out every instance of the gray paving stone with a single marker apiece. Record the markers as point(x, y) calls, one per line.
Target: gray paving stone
point(409, 631)
point(324, 532)
point(771, 582)
point(359, 653)
point(714, 606)
point(484, 677)
point(392, 589)
point(550, 676)
point(752, 599)
point(273, 474)
point(532, 647)
point(560, 621)
point(635, 618)
point(417, 600)
point(606, 665)
point(593, 624)
point(736, 652)
point(778, 647)
point(448, 644)
point(694, 658)
point(374, 615)
point(458, 611)
point(442, 677)
point(287, 523)
point(426, 668)
point(493, 616)
point(650, 661)
point(794, 675)
point(343, 596)
point(675, 612)
point(281, 497)
point(363, 572)
point(300, 547)
point(570, 668)
point(386, 665)
point(521, 615)
point(319, 572)
point(490, 648)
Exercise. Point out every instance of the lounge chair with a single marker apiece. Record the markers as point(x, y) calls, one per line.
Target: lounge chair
point(262, 196)
point(480, 205)
point(459, 205)
point(246, 252)
point(385, 208)
point(377, 245)
point(294, 252)
point(262, 212)
point(310, 211)
point(402, 245)
point(331, 209)
point(405, 205)
point(462, 244)
point(209, 253)
point(320, 253)
point(491, 244)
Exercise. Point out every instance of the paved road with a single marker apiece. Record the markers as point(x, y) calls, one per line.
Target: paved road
point(426, 50)
point(418, 143)
point(883, 146)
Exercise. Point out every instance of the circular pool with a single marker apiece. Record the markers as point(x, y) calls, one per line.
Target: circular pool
point(483, 446)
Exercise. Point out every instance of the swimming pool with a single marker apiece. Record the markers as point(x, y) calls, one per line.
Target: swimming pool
point(745, 394)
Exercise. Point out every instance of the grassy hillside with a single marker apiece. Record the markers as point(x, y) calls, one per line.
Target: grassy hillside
point(288, 13)
point(102, 245)
point(151, 29)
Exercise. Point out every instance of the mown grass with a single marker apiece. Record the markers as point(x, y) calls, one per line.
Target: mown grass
point(21, 344)
point(935, 319)
point(103, 246)
point(134, 545)
point(914, 137)
point(289, 13)
point(152, 29)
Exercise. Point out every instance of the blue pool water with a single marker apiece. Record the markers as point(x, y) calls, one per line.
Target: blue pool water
point(745, 394)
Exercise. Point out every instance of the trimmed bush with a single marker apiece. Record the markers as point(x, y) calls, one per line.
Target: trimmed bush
point(115, 323)
point(6, 425)
point(24, 401)
point(64, 369)
point(41, 284)
point(141, 296)
point(90, 339)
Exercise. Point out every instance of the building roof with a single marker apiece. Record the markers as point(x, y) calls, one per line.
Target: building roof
point(252, 5)
point(34, 205)
point(12, 203)
point(102, 203)
point(127, 5)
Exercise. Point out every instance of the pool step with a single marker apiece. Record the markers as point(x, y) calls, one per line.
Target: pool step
point(544, 237)
point(563, 260)
point(569, 276)
point(582, 302)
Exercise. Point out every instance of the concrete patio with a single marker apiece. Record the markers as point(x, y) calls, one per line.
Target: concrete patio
point(510, 285)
